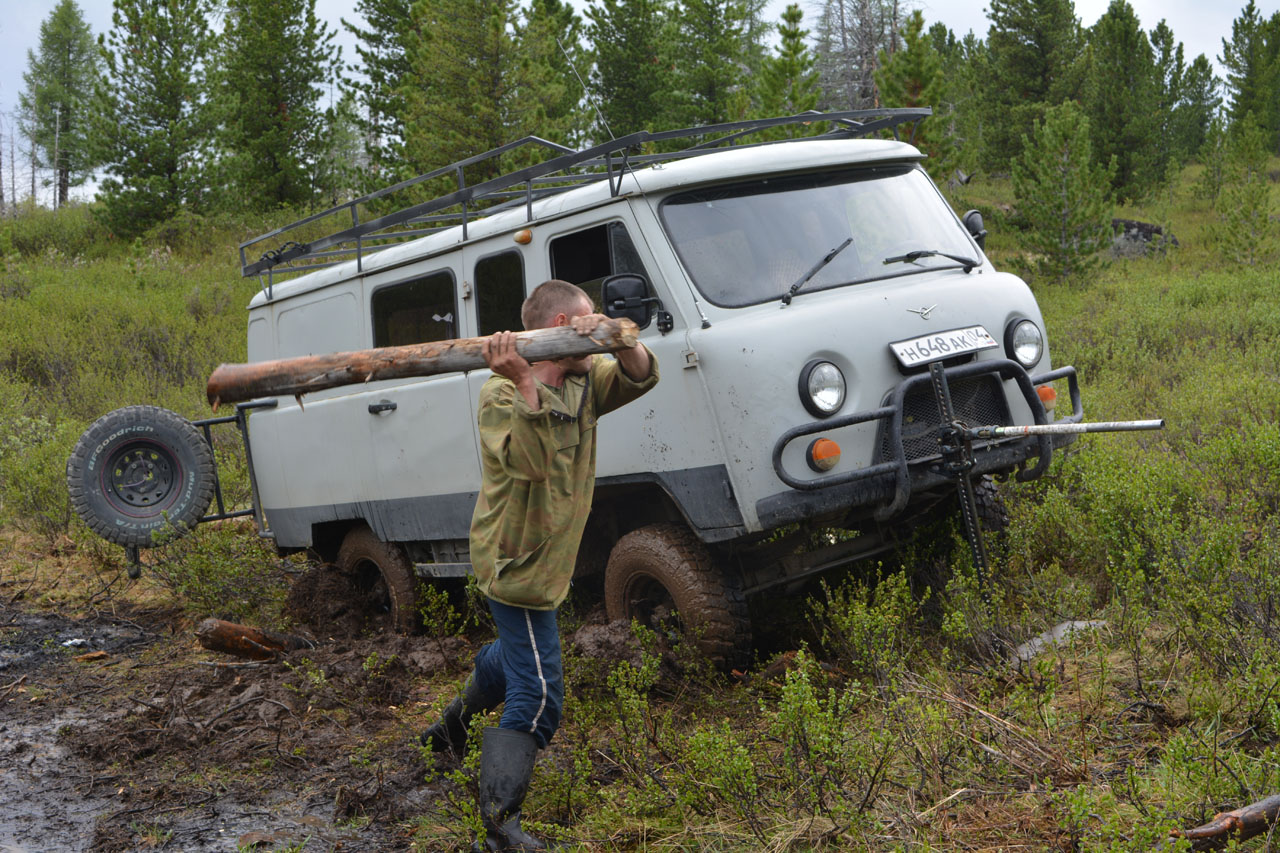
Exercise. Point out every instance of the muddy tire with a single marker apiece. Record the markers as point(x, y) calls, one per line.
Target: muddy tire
point(993, 517)
point(140, 474)
point(661, 576)
point(384, 579)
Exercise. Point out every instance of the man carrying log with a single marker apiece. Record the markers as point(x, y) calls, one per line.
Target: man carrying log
point(538, 457)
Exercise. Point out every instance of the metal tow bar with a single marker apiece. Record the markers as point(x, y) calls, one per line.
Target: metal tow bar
point(955, 440)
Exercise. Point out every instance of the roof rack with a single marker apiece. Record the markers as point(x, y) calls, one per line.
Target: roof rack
point(564, 169)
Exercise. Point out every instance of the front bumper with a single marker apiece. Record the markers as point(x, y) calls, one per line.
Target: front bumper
point(889, 485)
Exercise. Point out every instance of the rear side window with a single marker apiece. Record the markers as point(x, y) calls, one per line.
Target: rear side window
point(415, 312)
point(499, 292)
point(587, 257)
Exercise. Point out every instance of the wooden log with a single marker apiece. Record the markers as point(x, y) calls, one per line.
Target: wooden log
point(234, 383)
point(246, 642)
point(1237, 825)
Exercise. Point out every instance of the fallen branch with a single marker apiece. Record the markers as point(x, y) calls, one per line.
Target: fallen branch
point(246, 642)
point(1226, 827)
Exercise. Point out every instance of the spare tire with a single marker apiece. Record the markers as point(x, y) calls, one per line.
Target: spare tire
point(139, 474)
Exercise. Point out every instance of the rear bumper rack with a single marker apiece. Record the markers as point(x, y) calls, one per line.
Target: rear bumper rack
point(892, 482)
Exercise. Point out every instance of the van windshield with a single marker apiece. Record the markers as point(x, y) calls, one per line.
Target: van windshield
point(748, 243)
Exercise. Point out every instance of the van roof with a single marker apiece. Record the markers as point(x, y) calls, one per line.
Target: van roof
point(622, 176)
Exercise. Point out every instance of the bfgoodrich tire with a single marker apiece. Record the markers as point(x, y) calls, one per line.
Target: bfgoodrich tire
point(140, 474)
point(661, 574)
point(385, 580)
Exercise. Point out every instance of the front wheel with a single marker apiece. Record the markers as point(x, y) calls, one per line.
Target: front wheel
point(384, 579)
point(663, 577)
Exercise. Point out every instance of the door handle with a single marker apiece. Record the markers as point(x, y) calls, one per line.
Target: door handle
point(381, 406)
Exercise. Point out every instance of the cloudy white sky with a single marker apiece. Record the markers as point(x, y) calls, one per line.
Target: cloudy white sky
point(1199, 24)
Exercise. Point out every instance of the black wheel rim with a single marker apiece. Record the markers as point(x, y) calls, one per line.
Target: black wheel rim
point(373, 588)
point(650, 604)
point(141, 478)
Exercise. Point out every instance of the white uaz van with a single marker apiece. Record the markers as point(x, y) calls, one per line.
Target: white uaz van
point(794, 291)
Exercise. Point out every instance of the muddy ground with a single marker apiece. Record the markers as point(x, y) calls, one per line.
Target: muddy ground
point(117, 732)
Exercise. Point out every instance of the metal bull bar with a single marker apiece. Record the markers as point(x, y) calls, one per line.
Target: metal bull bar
point(955, 441)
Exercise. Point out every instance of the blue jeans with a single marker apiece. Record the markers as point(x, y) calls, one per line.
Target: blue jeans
point(522, 668)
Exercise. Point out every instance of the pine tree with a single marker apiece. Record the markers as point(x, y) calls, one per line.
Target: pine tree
point(1033, 53)
point(149, 121)
point(788, 81)
point(1245, 233)
point(1213, 155)
point(382, 48)
point(1121, 100)
point(1199, 105)
point(1169, 80)
point(709, 50)
point(273, 58)
point(912, 77)
point(1252, 61)
point(632, 75)
point(549, 80)
point(460, 95)
point(1063, 194)
point(55, 104)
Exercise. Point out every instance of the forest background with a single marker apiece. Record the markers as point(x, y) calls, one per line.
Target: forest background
point(894, 725)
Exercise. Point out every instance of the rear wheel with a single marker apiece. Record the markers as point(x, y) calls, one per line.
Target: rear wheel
point(663, 577)
point(384, 579)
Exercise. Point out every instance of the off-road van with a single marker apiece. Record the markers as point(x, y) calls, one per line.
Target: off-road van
point(795, 292)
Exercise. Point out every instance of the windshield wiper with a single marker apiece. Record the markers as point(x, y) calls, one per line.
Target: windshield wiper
point(826, 259)
point(968, 263)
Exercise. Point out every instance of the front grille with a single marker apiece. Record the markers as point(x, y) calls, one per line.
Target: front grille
point(977, 401)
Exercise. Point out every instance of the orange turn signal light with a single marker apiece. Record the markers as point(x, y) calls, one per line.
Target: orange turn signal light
point(1048, 396)
point(823, 454)
point(524, 236)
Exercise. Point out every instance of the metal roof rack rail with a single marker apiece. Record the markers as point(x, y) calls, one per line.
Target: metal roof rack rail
point(564, 169)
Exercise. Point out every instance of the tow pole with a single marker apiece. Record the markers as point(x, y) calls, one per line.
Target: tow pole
point(955, 440)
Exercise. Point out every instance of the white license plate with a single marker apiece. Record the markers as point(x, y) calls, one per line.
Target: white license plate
point(940, 345)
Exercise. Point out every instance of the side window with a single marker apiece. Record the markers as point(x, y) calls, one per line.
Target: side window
point(415, 312)
point(587, 257)
point(499, 292)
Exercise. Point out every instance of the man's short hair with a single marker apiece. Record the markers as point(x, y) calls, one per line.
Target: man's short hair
point(549, 299)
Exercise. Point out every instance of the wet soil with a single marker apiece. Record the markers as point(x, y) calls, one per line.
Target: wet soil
point(119, 733)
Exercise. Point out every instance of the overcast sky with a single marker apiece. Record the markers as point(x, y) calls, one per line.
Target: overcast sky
point(1200, 25)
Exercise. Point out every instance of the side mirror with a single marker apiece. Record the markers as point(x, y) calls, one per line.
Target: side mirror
point(627, 295)
point(972, 221)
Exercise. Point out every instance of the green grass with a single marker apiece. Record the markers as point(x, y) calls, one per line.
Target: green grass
point(900, 729)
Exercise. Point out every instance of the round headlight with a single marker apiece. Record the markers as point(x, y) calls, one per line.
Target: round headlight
point(821, 388)
point(1024, 342)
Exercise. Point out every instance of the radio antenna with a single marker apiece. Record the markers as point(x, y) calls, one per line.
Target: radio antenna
point(585, 90)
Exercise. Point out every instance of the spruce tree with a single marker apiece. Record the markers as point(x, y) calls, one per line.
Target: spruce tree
point(56, 102)
point(1121, 101)
point(1033, 52)
point(788, 81)
point(912, 77)
point(1245, 232)
point(1064, 196)
point(273, 59)
point(149, 121)
point(632, 75)
point(382, 49)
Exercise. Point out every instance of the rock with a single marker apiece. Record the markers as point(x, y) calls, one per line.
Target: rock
point(1132, 238)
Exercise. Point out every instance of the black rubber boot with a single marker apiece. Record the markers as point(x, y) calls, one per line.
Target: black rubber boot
point(449, 733)
point(506, 764)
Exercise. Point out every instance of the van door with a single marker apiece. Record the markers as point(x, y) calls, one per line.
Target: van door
point(423, 446)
